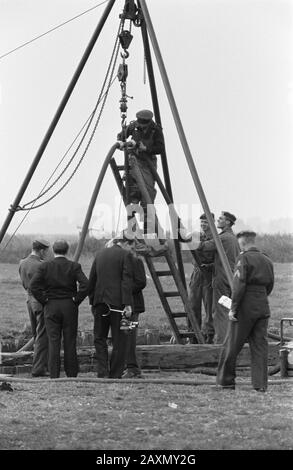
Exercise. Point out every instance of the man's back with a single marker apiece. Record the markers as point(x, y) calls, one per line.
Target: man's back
point(260, 269)
point(57, 278)
point(111, 275)
point(27, 268)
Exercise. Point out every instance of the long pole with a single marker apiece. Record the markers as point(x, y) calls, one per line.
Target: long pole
point(93, 202)
point(184, 142)
point(56, 118)
point(156, 108)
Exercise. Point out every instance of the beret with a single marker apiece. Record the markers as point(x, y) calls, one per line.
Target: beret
point(229, 216)
point(246, 233)
point(204, 217)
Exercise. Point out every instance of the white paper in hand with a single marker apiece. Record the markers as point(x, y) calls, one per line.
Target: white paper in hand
point(225, 301)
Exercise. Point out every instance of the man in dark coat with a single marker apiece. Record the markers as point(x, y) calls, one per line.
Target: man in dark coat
point(139, 282)
point(148, 141)
point(60, 285)
point(27, 268)
point(220, 282)
point(253, 281)
point(200, 286)
point(110, 286)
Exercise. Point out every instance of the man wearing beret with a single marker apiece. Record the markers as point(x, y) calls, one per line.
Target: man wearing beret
point(27, 268)
point(253, 281)
point(60, 285)
point(147, 142)
point(200, 286)
point(220, 282)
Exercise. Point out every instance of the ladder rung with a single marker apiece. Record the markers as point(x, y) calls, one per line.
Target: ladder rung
point(179, 314)
point(120, 167)
point(163, 273)
point(172, 294)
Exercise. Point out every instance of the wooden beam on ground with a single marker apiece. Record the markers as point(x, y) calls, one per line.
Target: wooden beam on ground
point(167, 356)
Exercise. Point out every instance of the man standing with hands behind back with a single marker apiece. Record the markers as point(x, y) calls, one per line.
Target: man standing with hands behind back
point(60, 285)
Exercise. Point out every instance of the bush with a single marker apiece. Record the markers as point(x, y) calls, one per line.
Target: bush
point(278, 246)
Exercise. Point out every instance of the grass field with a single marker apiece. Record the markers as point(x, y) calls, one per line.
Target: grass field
point(52, 415)
point(110, 416)
point(14, 317)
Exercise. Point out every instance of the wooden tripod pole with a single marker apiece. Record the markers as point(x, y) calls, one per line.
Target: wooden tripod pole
point(184, 142)
point(93, 202)
point(55, 119)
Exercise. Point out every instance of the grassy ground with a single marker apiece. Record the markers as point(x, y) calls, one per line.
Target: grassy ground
point(14, 316)
point(143, 416)
point(103, 416)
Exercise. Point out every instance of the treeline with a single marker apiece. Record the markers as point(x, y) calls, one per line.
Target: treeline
point(278, 246)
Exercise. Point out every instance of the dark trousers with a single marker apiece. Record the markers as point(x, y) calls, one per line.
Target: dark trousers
point(200, 290)
point(102, 325)
point(61, 316)
point(131, 359)
point(253, 330)
point(40, 358)
point(220, 313)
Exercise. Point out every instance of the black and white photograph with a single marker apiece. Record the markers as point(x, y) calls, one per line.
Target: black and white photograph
point(146, 231)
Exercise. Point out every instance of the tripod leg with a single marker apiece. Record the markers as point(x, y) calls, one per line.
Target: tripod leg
point(56, 119)
point(93, 202)
point(184, 142)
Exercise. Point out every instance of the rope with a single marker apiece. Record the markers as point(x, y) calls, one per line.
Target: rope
point(52, 29)
point(145, 381)
point(112, 64)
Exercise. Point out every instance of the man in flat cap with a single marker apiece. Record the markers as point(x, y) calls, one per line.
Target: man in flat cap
point(207, 249)
point(27, 268)
point(111, 289)
point(60, 286)
point(147, 141)
point(200, 286)
point(253, 281)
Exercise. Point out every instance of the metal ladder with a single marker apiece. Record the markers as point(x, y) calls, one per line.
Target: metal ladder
point(193, 330)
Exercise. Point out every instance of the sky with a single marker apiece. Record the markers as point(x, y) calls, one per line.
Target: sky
point(229, 63)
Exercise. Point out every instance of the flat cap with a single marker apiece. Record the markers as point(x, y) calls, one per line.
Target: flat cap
point(40, 244)
point(204, 217)
point(144, 115)
point(229, 216)
point(246, 234)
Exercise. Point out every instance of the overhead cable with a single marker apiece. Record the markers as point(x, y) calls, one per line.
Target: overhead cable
point(52, 29)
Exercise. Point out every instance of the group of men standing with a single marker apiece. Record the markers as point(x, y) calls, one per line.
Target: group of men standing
point(209, 281)
point(247, 318)
point(55, 288)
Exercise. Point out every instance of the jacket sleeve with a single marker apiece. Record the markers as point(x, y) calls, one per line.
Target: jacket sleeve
point(129, 129)
point(271, 284)
point(239, 282)
point(83, 284)
point(92, 282)
point(37, 284)
point(158, 144)
point(139, 279)
point(206, 251)
point(127, 280)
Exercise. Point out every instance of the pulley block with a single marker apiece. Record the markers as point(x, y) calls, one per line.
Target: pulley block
point(122, 72)
point(125, 38)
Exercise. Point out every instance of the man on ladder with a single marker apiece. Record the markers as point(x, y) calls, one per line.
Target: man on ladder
point(146, 142)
